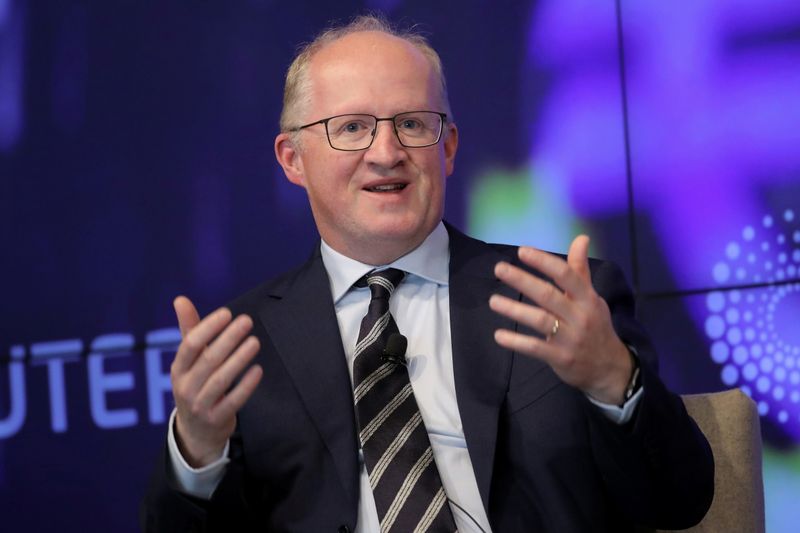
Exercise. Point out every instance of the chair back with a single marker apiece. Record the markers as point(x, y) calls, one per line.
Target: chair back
point(729, 420)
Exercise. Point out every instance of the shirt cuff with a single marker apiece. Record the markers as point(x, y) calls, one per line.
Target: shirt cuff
point(619, 414)
point(197, 482)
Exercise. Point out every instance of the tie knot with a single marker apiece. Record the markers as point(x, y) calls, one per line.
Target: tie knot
point(382, 283)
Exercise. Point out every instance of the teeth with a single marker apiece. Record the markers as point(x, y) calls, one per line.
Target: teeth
point(389, 187)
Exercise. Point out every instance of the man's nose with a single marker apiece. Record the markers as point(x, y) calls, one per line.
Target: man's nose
point(386, 149)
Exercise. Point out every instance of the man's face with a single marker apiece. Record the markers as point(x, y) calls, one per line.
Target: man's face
point(377, 204)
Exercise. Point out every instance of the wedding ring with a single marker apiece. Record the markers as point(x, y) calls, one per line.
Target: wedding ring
point(554, 330)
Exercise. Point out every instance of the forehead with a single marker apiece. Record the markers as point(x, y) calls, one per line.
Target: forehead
point(371, 72)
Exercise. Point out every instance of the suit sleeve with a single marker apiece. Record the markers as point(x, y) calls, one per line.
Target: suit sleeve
point(166, 509)
point(658, 467)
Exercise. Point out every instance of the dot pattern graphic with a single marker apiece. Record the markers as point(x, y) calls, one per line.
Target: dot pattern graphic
point(754, 334)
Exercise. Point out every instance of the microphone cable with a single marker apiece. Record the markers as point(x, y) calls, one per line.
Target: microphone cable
point(468, 515)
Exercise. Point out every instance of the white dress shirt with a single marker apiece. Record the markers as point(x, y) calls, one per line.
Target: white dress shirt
point(420, 306)
point(421, 309)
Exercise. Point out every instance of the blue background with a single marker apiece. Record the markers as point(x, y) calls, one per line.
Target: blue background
point(136, 164)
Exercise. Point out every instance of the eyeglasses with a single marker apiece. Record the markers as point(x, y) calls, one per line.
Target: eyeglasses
point(350, 133)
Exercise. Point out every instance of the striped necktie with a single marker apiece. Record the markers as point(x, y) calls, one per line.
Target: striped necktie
point(405, 482)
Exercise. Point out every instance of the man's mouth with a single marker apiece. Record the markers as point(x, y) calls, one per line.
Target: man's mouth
point(389, 187)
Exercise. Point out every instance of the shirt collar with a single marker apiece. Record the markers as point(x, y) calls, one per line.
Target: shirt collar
point(430, 260)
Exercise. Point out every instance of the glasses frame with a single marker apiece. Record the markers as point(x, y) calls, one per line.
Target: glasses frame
point(442, 122)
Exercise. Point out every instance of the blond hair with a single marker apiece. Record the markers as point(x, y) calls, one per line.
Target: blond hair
point(297, 89)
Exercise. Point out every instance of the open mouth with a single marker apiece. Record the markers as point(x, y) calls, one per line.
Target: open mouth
point(389, 187)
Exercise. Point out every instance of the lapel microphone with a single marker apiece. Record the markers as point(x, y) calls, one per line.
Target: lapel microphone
point(395, 350)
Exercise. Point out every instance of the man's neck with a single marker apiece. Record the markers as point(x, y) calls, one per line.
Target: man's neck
point(376, 253)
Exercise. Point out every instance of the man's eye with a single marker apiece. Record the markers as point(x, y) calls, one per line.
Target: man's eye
point(409, 124)
point(353, 127)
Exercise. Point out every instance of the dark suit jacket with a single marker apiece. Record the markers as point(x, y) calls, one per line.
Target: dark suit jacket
point(544, 458)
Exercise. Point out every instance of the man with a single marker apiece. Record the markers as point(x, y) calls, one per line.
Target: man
point(535, 397)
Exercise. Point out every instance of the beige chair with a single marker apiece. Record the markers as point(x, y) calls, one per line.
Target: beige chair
point(729, 421)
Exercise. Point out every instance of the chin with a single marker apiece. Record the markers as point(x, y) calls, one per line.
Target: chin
point(398, 226)
point(407, 235)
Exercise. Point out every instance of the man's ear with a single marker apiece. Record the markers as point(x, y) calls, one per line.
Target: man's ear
point(450, 147)
point(289, 158)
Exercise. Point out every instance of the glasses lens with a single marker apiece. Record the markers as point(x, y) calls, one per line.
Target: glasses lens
point(418, 128)
point(351, 132)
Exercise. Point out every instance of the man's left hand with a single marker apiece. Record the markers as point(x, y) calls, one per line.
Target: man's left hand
point(579, 342)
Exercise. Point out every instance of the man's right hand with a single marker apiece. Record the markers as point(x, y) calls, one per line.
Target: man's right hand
point(213, 352)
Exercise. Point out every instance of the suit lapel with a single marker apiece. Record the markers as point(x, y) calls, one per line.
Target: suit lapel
point(482, 369)
point(300, 320)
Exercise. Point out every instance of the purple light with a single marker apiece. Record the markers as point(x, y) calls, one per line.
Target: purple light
point(12, 75)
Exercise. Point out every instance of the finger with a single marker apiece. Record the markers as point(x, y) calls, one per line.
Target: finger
point(527, 345)
point(578, 258)
point(238, 396)
point(218, 351)
point(198, 337)
point(544, 293)
point(528, 315)
point(220, 380)
point(556, 269)
point(186, 313)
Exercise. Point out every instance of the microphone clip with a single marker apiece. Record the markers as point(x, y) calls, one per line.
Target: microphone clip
point(395, 350)
point(393, 358)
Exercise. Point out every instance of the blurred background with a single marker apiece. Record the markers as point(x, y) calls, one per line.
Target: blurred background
point(136, 164)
